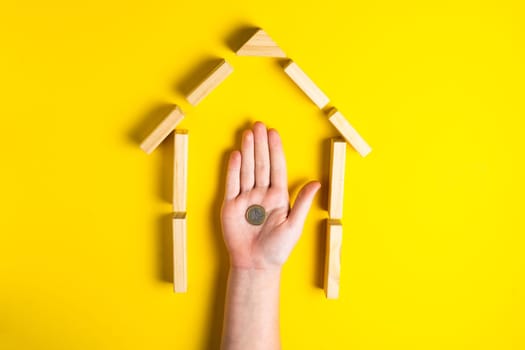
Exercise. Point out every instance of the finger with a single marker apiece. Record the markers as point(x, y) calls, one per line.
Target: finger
point(302, 204)
point(233, 176)
point(248, 162)
point(278, 177)
point(262, 155)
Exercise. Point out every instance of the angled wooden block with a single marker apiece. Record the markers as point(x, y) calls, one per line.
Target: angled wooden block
point(260, 44)
point(162, 130)
point(180, 273)
point(334, 241)
point(348, 132)
point(180, 170)
point(306, 84)
point(337, 179)
point(214, 78)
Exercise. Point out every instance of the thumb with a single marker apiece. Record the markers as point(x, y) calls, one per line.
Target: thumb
point(302, 204)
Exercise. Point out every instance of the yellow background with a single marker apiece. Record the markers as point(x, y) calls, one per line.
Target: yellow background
point(433, 254)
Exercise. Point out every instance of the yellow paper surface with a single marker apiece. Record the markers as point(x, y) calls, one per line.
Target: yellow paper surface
point(433, 248)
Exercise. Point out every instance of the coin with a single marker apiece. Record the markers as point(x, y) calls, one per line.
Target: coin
point(255, 215)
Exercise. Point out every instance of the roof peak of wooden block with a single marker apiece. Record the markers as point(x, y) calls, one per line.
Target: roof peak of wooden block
point(260, 44)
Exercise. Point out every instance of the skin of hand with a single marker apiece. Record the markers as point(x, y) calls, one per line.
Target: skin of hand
point(257, 175)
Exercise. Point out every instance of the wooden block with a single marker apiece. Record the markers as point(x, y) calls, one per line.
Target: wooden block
point(260, 44)
point(162, 130)
point(348, 132)
point(334, 241)
point(180, 273)
point(214, 78)
point(180, 170)
point(306, 84)
point(337, 179)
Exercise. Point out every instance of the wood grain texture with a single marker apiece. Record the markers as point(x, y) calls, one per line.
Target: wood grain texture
point(334, 241)
point(166, 126)
point(180, 170)
point(306, 84)
point(180, 269)
point(337, 179)
point(212, 80)
point(260, 44)
point(348, 132)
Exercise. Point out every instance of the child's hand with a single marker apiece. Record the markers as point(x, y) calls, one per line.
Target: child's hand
point(257, 175)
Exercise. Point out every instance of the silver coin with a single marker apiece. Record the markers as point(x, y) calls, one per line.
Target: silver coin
point(255, 215)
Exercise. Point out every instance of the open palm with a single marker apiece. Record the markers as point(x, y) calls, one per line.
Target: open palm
point(257, 175)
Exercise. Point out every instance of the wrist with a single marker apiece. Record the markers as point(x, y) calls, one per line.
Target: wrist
point(254, 262)
point(267, 275)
